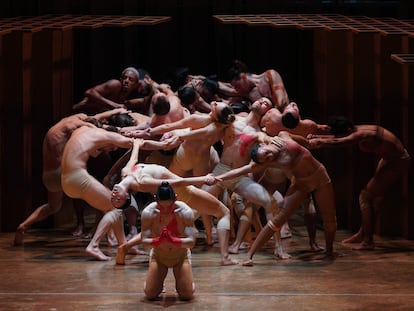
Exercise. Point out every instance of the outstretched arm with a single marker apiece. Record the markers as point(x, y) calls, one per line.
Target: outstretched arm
point(251, 167)
point(133, 158)
point(151, 183)
point(107, 114)
point(190, 121)
point(319, 141)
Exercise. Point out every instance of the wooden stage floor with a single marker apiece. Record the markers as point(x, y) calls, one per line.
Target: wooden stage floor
point(52, 272)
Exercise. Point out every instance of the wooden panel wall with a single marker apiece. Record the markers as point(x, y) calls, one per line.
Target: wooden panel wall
point(36, 91)
point(328, 69)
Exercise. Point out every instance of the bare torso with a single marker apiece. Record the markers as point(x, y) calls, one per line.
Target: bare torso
point(176, 218)
point(56, 139)
point(239, 138)
point(89, 142)
point(378, 140)
point(269, 84)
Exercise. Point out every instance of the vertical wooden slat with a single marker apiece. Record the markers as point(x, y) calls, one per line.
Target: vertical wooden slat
point(12, 175)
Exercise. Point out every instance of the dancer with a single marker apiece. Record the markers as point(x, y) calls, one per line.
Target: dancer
point(394, 162)
point(168, 230)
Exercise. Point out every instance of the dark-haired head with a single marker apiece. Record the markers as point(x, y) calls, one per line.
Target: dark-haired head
point(121, 120)
point(340, 126)
point(236, 69)
point(254, 153)
point(211, 86)
point(187, 95)
point(160, 104)
point(165, 192)
point(240, 107)
point(226, 115)
point(94, 121)
point(289, 120)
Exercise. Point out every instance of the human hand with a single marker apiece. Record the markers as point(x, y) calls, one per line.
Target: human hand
point(166, 237)
point(314, 143)
point(212, 179)
point(172, 142)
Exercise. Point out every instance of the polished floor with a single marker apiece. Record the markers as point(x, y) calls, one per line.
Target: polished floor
point(52, 272)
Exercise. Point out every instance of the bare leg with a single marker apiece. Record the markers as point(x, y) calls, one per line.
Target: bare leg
point(242, 229)
point(53, 206)
point(355, 238)
point(365, 234)
point(285, 232)
point(39, 214)
point(223, 237)
point(131, 214)
point(310, 222)
point(79, 207)
point(208, 227)
point(126, 247)
point(103, 227)
point(265, 234)
point(367, 242)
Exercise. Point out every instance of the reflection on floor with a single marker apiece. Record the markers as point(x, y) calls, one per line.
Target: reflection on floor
point(52, 272)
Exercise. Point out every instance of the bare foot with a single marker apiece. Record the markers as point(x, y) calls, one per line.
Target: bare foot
point(97, 253)
point(356, 238)
point(233, 249)
point(18, 238)
point(247, 262)
point(364, 246)
point(244, 245)
point(228, 262)
point(316, 248)
point(281, 254)
point(78, 231)
point(136, 251)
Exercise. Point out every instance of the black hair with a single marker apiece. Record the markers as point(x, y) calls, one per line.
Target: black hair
point(110, 128)
point(121, 120)
point(226, 115)
point(211, 85)
point(179, 77)
point(240, 107)
point(254, 151)
point(289, 120)
point(340, 125)
point(94, 121)
point(165, 192)
point(187, 95)
point(142, 73)
point(236, 69)
point(161, 106)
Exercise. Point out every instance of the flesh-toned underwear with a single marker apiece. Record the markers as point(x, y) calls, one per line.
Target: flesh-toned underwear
point(171, 259)
point(312, 182)
point(76, 183)
point(52, 180)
